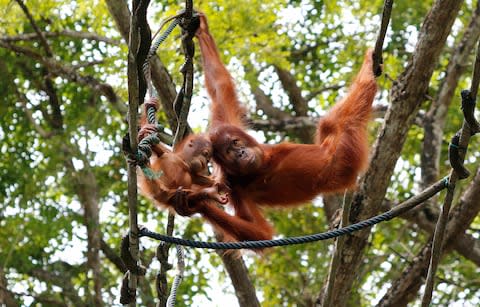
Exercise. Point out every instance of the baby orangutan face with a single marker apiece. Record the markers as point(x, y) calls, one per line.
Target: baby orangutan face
point(196, 150)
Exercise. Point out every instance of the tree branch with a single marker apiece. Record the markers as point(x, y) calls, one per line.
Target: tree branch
point(62, 281)
point(319, 91)
point(238, 273)
point(464, 244)
point(436, 116)
point(404, 289)
point(160, 76)
point(70, 73)
point(67, 33)
point(288, 123)
point(42, 38)
point(24, 101)
point(112, 256)
point(265, 104)
point(407, 96)
point(44, 298)
point(7, 297)
point(289, 84)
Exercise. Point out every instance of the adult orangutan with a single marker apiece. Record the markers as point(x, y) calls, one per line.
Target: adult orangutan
point(285, 174)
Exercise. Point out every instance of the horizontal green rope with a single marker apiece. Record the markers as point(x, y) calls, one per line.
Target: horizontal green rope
point(394, 212)
point(144, 232)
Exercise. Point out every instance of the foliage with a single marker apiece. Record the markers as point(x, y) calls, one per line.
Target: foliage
point(51, 149)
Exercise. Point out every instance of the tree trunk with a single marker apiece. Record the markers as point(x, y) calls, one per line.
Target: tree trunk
point(407, 95)
point(6, 297)
point(87, 191)
point(405, 288)
point(238, 273)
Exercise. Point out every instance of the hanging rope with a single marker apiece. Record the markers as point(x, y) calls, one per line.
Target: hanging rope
point(469, 98)
point(153, 50)
point(178, 277)
point(346, 206)
point(476, 74)
point(377, 53)
point(144, 151)
point(394, 212)
point(139, 154)
point(189, 24)
point(457, 155)
point(127, 295)
point(138, 43)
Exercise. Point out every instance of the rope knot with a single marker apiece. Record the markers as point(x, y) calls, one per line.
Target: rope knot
point(468, 108)
point(191, 25)
point(455, 156)
point(128, 260)
point(127, 295)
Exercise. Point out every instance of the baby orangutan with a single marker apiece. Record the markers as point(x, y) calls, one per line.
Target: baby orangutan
point(184, 184)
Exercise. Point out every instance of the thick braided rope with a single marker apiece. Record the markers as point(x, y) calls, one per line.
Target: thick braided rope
point(144, 232)
point(178, 277)
point(143, 155)
point(394, 212)
point(144, 147)
point(153, 51)
point(151, 115)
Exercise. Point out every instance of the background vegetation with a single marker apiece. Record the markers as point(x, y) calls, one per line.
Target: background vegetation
point(63, 204)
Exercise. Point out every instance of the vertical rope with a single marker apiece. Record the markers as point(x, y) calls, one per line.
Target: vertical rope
point(188, 31)
point(468, 102)
point(133, 102)
point(153, 50)
point(440, 228)
point(184, 98)
point(476, 74)
point(377, 53)
point(178, 277)
point(144, 150)
point(377, 70)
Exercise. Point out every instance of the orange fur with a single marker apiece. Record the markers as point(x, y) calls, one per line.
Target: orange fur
point(184, 184)
point(285, 174)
